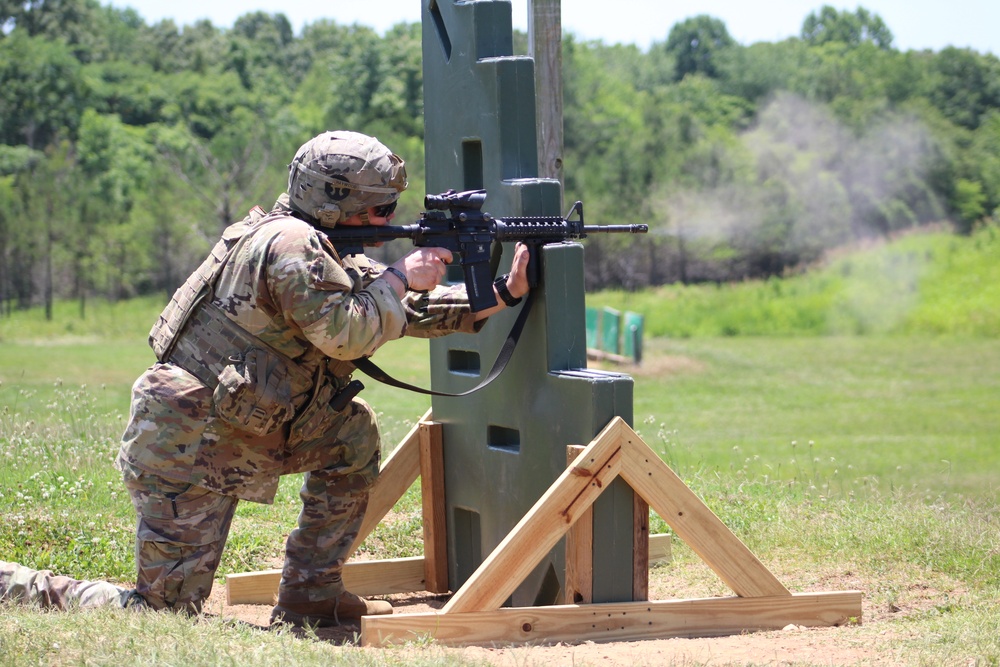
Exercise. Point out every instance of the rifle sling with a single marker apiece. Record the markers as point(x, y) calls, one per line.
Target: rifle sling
point(368, 367)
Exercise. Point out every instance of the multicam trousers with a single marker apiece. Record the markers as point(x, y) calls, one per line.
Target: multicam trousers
point(182, 528)
point(180, 534)
point(40, 587)
point(333, 507)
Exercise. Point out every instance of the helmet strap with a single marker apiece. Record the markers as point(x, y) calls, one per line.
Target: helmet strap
point(365, 220)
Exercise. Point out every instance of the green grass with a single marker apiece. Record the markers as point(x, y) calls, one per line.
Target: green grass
point(119, 321)
point(914, 414)
point(63, 405)
point(109, 638)
point(824, 455)
point(842, 461)
point(927, 283)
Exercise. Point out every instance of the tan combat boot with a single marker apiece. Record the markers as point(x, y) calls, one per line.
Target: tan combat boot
point(344, 608)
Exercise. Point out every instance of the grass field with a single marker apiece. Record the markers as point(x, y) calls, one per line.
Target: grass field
point(925, 283)
point(841, 461)
point(890, 444)
point(920, 414)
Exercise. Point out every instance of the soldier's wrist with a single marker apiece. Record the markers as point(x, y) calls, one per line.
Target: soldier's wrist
point(501, 286)
point(399, 274)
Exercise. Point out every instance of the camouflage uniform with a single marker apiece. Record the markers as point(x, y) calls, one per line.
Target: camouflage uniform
point(277, 316)
point(24, 585)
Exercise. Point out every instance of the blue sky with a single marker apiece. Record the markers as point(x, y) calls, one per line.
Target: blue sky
point(916, 24)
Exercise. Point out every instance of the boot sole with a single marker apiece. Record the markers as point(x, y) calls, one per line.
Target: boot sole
point(280, 616)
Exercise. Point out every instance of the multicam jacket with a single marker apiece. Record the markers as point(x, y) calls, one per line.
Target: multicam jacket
point(307, 312)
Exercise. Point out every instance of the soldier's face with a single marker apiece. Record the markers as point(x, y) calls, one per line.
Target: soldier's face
point(374, 218)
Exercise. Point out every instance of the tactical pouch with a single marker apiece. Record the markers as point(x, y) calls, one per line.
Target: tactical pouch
point(318, 416)
point(253, 393)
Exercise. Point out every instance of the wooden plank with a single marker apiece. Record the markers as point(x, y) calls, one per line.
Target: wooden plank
point(253, 587)
point(659, 548)
point(626, 621)
point(382, 577)
point(693, 521)
point(433, 498)
point(373, 577)
point(545, 46)
point(640, 548)
point(580, 550)
point(539, 530)
point(398, 472)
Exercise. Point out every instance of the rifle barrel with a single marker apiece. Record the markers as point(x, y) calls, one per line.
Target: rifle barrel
point(616, 229)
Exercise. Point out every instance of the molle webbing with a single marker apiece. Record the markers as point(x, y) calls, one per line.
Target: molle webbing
point(199, 286)
point(204, 347)
point(211, 341)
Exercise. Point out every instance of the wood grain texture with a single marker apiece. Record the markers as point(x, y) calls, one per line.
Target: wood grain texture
point(627, 621)
point(433, 498)
point(693, 521)
point(365, 578)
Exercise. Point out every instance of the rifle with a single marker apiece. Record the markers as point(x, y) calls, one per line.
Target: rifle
point(456, 221)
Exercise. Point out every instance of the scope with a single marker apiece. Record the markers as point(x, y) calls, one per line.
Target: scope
point(449, 200)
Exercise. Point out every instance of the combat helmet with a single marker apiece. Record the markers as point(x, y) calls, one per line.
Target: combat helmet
point(338, 174)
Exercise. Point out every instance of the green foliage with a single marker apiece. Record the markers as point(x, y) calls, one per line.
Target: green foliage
point(42, 91)
point(14, 159)
point(851, 28)
point(983, 165)
point(966, 85)
point(746, 161)
point(695, 43)
point(970, 201)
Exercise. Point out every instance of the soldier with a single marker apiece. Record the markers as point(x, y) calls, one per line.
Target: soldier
point(254, 351)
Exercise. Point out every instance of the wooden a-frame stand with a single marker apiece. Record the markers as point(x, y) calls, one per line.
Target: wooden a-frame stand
point(474, 614)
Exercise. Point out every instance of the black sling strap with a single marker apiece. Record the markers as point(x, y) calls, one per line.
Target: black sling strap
point(365, 364)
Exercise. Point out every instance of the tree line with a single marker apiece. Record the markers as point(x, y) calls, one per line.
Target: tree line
point(125, 146)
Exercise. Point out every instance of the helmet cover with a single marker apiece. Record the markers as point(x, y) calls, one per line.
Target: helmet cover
point(338, 174)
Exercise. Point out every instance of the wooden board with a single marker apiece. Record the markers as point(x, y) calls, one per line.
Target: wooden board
point(365, 578)
point(659, 548)
point(433, 499)
point(626, 621)
point(640, 547)
point(693, 521)
point(473, 615)
point(579, 550)
point(395, 576)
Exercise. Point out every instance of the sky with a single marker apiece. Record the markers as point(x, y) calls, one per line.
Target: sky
point(915, 24)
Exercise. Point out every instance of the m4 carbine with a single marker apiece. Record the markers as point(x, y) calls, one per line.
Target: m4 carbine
point(456, 221)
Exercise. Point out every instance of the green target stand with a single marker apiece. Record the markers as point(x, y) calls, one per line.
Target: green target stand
point(506, 444)
point(532, 548)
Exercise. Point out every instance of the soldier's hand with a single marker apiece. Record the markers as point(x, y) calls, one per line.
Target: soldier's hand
point(425, 267)
point(517, 283)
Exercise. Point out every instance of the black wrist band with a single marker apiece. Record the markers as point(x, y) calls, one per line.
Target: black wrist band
point(508, 298)
point(399, 274)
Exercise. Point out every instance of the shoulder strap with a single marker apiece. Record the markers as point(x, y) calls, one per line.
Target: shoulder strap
point(365, 364)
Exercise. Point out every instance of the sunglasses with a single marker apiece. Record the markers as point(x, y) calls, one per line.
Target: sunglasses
point(385, 210)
